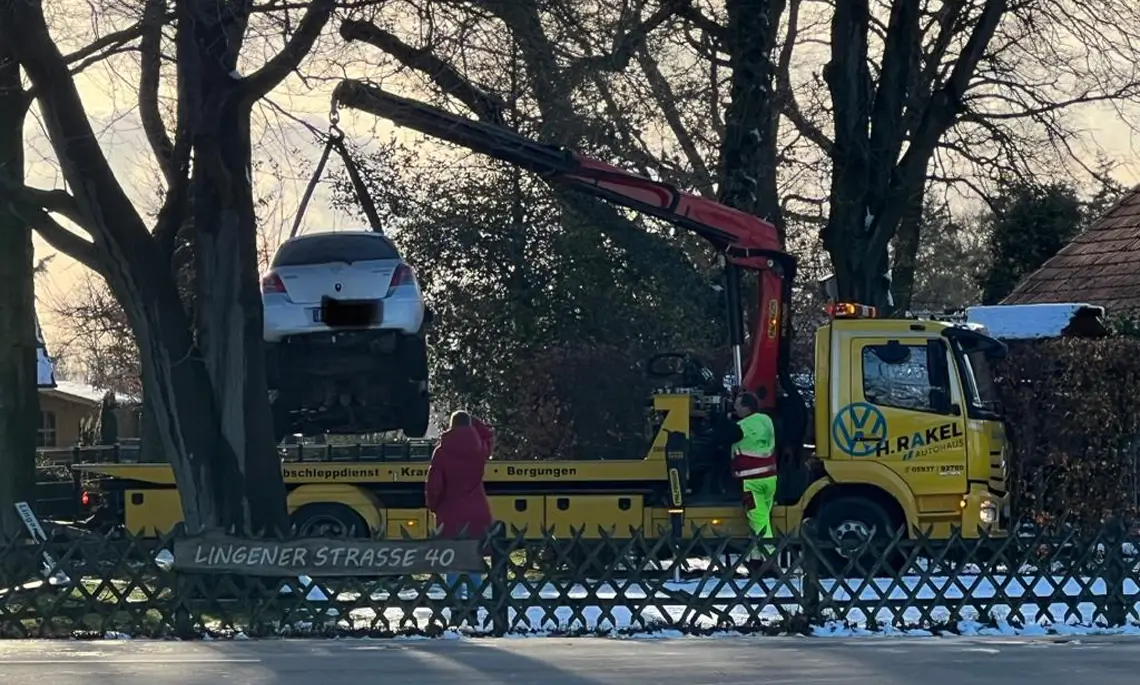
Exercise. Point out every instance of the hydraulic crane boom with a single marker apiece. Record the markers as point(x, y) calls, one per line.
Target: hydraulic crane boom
point(745, 240)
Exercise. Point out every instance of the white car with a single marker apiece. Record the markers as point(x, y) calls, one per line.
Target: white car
point(344, 333)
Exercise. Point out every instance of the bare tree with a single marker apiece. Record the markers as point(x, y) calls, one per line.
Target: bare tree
point(204, 377)
point(557, 119)
point(95, 336)
point(910, 94)
point(954, 92)
point(19, 398)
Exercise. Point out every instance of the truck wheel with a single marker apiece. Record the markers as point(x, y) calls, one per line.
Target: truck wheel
point(329, 520)
point(845, 525)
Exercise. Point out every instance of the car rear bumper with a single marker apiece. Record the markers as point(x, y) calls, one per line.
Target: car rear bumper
point(285, 319)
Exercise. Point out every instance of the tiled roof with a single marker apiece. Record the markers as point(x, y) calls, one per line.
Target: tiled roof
point(1101, 266)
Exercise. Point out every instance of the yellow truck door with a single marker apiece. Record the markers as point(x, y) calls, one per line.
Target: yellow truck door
point(900, 412)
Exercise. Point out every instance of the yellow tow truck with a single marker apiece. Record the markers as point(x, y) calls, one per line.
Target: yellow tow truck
point(903, 428)
point(907, 432)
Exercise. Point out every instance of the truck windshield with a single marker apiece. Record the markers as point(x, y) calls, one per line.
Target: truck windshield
point(974, 351)
point(980, 389)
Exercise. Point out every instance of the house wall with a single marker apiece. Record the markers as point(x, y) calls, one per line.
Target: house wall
point(68, 415)
point(66, 418)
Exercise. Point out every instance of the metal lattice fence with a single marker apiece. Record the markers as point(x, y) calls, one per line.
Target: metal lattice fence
point(101, 585)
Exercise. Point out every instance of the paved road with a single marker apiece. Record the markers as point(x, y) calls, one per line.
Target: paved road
point(587, 661)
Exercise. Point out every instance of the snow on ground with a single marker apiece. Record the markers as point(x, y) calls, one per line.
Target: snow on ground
point(977, 605)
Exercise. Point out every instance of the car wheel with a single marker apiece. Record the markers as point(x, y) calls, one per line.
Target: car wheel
point(415, 358)
point(416, 416)
point(329, 520)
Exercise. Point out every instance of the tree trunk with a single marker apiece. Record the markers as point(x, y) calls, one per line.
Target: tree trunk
point(180, 399)
point(748, 153)
point(230, 320)
point(906, 242)
point(227, 297)
point(174, 375)
point(860, 273)
point(150, 442)
point(19, 396)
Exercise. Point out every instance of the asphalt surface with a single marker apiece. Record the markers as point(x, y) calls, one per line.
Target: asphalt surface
point(584, 661)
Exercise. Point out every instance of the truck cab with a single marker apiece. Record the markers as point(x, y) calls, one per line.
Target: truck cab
point(908, 429)
point(902, 428)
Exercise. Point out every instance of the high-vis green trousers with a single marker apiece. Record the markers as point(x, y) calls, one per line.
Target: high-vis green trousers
point(759, 495)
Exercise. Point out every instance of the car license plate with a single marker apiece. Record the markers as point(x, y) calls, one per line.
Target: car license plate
point(348, 313)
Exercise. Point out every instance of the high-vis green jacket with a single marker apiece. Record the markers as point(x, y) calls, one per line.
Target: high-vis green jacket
point(754, 455)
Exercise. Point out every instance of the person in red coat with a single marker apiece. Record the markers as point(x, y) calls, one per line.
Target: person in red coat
point(454, 490)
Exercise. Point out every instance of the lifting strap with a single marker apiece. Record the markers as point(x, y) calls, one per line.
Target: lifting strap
point(335, 141)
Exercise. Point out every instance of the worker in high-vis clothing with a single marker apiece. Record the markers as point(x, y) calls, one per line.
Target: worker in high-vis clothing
point(753, 449)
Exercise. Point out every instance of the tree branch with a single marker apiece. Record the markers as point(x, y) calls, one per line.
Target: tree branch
point(111, 44)
point(34, 206)
point(483, 105)
point(150, 45)
point(888, 126)
point(944, 108)
point(99, 200)
point(667, 101)
point(693, 14)
point(946, 104)
point(265, 79)
point(947, 22)
point(58, 237)
point(625, 45)
point(786, 98)
point(112, 40)
point(55, 201)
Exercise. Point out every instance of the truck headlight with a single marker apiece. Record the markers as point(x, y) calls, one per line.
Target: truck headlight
point(988, 512)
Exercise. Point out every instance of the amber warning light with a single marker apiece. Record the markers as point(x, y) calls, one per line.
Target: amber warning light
point(850, 310)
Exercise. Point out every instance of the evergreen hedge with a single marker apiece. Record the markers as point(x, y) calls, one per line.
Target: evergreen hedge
point(1074, 420)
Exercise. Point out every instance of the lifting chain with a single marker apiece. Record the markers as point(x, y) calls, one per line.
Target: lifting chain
point(335, 141)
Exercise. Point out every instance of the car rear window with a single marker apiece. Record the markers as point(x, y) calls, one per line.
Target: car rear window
point(335, 248)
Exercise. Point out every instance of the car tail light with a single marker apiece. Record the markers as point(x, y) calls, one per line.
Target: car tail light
point(402, 276)
point(85, 499)
point(272, 283)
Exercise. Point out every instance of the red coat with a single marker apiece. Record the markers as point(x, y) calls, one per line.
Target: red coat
point(455, 491)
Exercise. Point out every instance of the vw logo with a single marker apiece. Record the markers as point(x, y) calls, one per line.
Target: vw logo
point(338, 286)
point(858, 429)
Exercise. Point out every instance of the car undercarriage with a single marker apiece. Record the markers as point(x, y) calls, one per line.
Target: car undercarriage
point(349, 382)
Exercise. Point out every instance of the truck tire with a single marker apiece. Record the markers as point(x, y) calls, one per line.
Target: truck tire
point(415, 358)
point(329, 520)
point(849, 521)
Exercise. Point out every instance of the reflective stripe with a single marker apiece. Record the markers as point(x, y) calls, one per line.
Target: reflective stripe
point(753, 473)
point(750, 465)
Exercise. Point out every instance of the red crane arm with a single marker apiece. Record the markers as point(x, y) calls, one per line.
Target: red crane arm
point(745, 240)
